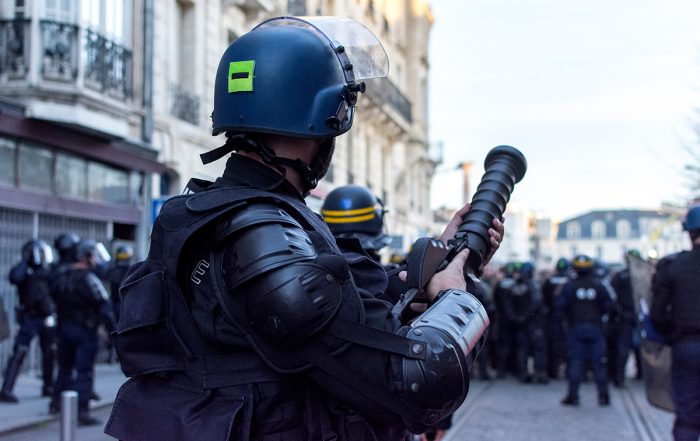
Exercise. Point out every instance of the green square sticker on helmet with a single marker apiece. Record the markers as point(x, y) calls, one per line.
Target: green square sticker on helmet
point(240, 76)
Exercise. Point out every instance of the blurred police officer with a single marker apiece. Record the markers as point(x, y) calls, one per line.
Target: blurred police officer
point(585, 301)
point(82, 304)
point(504, 322)
point(675, 311)
point(524, 309)
point(267, 335)
point(556, 332)
point(36, 315)
point(623, 322)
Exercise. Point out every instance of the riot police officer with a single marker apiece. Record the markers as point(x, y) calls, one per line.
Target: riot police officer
point(82, 304)
point(524, 309)
point(36, 315)
point(266, 335)
point(585, 301)
point(675, 311)
point(556, 333)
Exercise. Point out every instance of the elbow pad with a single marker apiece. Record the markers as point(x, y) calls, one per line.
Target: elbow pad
point(452, 328)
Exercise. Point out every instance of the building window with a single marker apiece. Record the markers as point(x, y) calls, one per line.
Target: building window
point(42, 170)
point(136, 188)
point(623, 229)
point(573, 230)
point(107, 184)
point(35, 168)
point(7, 161)
point(598, 229)
point(71, 176)
point(59, 10)
point(111, 18)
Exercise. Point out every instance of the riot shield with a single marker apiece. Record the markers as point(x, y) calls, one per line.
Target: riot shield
point(656, 355)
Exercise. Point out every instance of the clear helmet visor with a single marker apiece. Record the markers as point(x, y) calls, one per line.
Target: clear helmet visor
point(42, 254)
point(362, 47)
point(100, 254)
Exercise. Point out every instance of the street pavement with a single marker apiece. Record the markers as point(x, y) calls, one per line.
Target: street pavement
point(505, 410)
point(32, 411)
point(497, 410)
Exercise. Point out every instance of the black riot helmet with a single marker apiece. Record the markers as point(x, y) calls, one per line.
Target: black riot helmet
point(37, 253)
point(64, 244)
point(295, 77)
point(582, 264)
point(91, 252)
point(354, 211)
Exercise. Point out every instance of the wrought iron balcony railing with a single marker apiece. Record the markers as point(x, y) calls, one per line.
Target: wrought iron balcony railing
point(185, 105)
point(106, 66)
point(14, 48)
point(385, 90)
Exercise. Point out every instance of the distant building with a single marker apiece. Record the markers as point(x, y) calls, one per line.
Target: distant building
point(608, 234)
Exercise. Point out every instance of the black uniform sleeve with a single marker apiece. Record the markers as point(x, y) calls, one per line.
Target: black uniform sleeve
point(303, 300)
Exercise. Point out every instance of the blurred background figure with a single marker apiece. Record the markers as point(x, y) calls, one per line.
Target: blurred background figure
point(584, 301)
point(675, 312)
point(555, 334)
point(623, 323)
point(123, 257)
point(36, 315)
point(524, 308)
point(504, 340)
point(82, 304)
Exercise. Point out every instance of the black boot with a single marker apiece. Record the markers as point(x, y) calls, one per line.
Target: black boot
point(11, 373)
point(603, 399)
point(570, 400)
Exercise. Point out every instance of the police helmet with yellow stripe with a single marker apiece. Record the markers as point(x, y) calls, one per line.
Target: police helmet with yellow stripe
point(353, 211)
point(582, 264)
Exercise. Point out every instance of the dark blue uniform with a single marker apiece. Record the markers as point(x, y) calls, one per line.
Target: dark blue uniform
point(523, 308)
point(584, 301)
point(555, 334)
point(34, 317)
point(82, 304)
point(675, 311)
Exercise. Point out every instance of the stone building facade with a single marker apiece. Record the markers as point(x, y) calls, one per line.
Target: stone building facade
point(105, 107)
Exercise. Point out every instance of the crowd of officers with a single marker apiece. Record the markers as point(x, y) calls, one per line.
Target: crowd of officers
point(64, 298)
point(567, 322)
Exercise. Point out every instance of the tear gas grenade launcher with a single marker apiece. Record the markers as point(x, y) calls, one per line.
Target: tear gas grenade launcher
point(503, 168)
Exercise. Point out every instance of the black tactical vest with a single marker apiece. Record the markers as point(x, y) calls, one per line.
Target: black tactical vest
point(161, 349)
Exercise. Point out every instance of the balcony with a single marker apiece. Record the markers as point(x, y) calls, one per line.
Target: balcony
point(67, 55)
point(384, 90)
point(185, 105)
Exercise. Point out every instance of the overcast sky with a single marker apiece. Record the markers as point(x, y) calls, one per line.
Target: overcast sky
point(599, 95)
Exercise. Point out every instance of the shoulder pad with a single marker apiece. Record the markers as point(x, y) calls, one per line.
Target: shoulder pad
point(254, 215)
point(261, 239)
point(97, 289)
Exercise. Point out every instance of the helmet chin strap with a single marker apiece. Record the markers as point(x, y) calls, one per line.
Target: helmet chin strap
point(310, 174)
